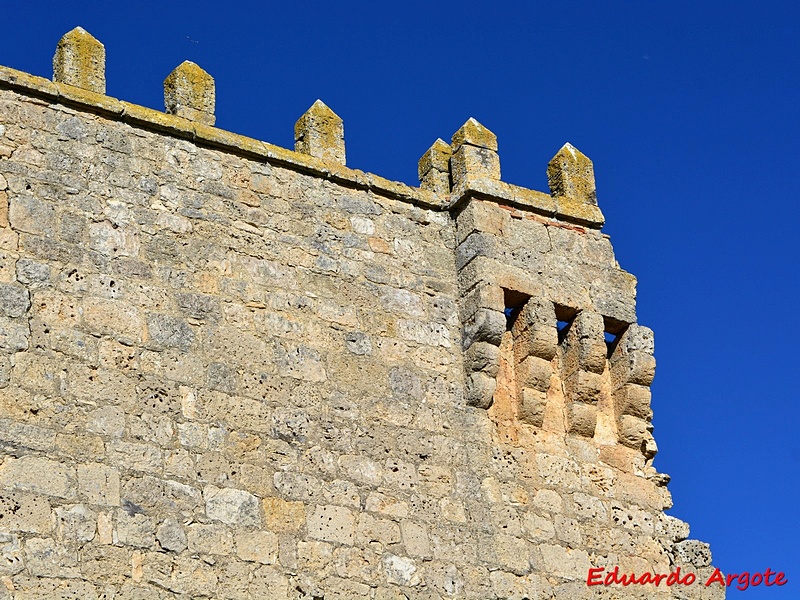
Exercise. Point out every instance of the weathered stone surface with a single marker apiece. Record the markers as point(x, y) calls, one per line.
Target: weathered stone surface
point(39, 475)
point(172, 536)
point(80, 60)
point(320, 133)
point(434, 167)
point(230, 370)
point(189, 92)
point(257, 546)
point(234, 507)
point(571, 174)
point(14, 300)
point(99, 484)
point(77, 523)
point(331, 524)
point(474, 153)
point(23, 511)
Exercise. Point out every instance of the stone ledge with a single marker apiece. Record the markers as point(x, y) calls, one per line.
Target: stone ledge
point(560, 208)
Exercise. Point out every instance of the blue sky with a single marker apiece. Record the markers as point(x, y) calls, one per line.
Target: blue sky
point(689, 111)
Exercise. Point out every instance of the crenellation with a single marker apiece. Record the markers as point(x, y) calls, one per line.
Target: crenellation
point(80, 61)
point(434, 167)
point(570, 174)
point(474, 154)
point(319, 132)
point(229, 369)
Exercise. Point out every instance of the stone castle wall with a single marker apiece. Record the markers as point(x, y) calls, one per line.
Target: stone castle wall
point(230, 370)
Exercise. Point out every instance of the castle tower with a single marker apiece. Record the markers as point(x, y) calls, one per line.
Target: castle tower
point(233, 370)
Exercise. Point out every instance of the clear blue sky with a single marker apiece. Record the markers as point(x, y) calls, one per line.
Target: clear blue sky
point(689, 111)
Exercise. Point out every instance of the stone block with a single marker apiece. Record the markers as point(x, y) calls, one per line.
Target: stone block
point(387, 505)
point(434, 168)
point(401, 570)
point(231, 506)
point(33, 274)
point(26, 436)
point(169, 332)
point(583, 386)
point(539, 341)
point(11, 556)
point(471, 161)
point(632, 399)
point(99, 484)
point(484, 357)
point(567, 563)
point(114, 318)
point(205, 538)
point(44, 557)
point(483, 296)
point(4, 207)
point(532, 405)
point(482, 217)
point(80, 446)
point(78, 523)
point(23, 511)
point(320, 133)
point(172, 536)
point(693, 552)
point(512, 554)
point(14, 335)
point(637, 337)
point(80, 61)
point(415, 539)
point(475, 245)
point(641, 367)
point(534, 373)
point(33, 474)
point(480, 390)
point(257, 546)
point(538, 528)
point(484, 326)
point(474, 134)
point(28, 214)
point(112, 240)
point(585, 345)
point(134, 529)
point(570, 173)
point(632, 431)
point(189, 92)
point(581, 419)
point(331, 524)
point(14, 300)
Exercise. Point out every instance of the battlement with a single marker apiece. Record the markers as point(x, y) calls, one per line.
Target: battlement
point(189, 100)
point(234, 370)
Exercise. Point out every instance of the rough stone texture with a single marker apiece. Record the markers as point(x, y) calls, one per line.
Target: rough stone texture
point(190, 92)
point(232, 377)
point(320, 133)
point(80, 60)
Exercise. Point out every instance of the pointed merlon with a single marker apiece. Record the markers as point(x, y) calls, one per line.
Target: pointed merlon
point(434, 168)
point(474, 154)
point(474, 134)
point(189, 92)
point(80, 60)
point(320, 133)
point(571, 174)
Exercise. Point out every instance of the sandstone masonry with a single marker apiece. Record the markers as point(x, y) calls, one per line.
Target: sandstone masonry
point(231, 370)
